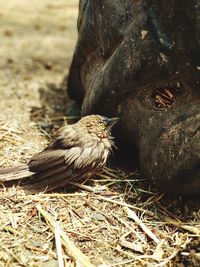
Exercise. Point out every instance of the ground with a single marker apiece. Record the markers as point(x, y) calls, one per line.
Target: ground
point(37, 43)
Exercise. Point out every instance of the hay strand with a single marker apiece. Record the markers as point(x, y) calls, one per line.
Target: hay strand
point(71, 248)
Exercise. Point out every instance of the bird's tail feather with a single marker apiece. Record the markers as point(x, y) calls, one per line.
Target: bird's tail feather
point(14, 173)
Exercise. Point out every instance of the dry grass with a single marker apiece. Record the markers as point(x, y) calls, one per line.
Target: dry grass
point(112, 226)
point(115, 220)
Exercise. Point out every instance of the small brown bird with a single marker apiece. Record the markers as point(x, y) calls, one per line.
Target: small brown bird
point(78, 151)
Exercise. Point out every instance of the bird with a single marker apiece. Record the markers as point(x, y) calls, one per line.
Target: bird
point(78, 151)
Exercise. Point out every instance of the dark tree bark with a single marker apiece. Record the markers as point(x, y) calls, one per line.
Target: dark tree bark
point(140, 60)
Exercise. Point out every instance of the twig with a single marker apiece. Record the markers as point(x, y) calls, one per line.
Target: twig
point(12, 230)
point(71, 248)
point(129, 254)
point(124, 205)
point(8, 262)
point(132, 215)
point(189, 228)
point(89, 188)
point(131, 245)
point(131, 229)
point(44, 251)
point(166, 261)
point(52, 195)
point(58, 245)
point(116, 180)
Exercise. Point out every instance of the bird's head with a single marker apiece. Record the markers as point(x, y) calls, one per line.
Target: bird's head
point(99, 125)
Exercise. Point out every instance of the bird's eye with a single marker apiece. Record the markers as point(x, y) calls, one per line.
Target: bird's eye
point(103, 126)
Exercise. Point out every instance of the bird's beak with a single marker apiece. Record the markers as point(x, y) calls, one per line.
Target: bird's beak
point(112, 122)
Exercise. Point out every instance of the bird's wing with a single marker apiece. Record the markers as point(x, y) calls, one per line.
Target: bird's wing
point(60, 162)
point(56, 168)
point(49, 157)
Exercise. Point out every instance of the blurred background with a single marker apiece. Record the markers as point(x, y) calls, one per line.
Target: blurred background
point(37, 43)
point(37, 35)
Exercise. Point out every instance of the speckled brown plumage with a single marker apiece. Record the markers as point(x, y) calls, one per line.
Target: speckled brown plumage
point(77, 152)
